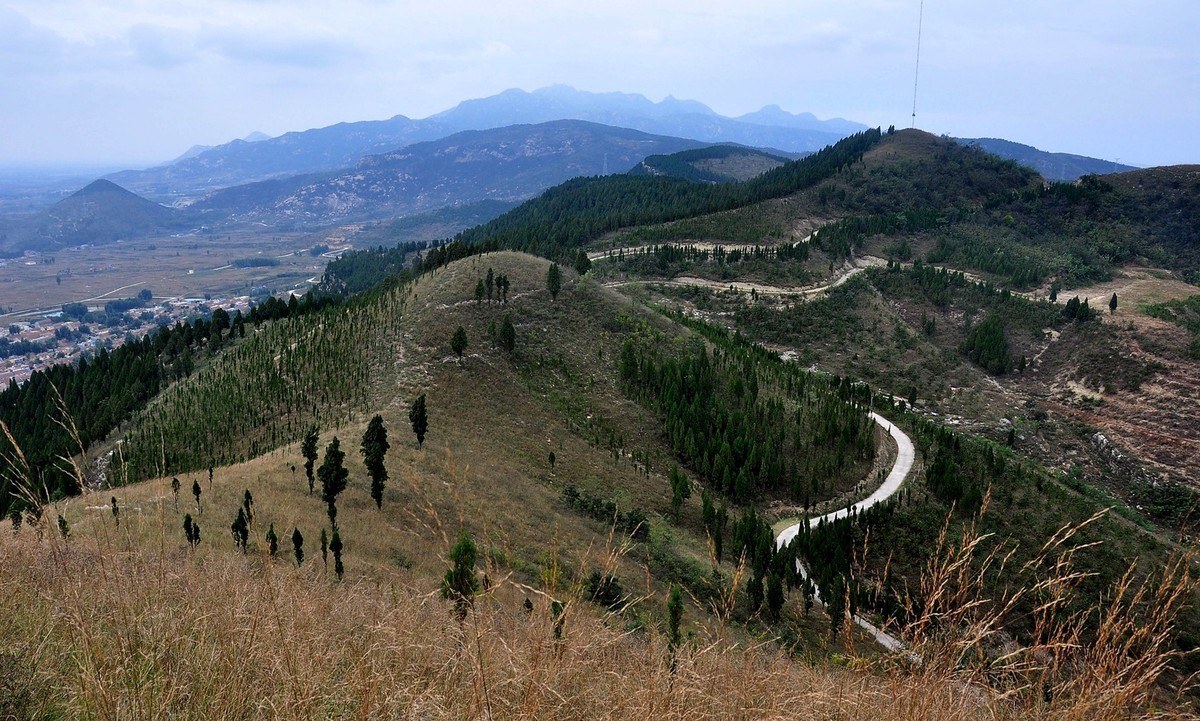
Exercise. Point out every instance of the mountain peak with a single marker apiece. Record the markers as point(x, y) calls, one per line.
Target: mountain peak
point(100, 186)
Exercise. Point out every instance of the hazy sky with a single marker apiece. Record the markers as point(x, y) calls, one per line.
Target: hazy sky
point(139, 81)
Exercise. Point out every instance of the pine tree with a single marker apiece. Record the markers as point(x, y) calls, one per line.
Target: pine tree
point(335, 545)
point(479, 290)
point(272, 540)
point(1112, 304)
point(681, 489)
point(490, 283)
point(175, 491)
point(298, 546)
point(582, 263)
point(308, 448)
point(674, 616)
point(774, 595)
point(116, 511)
point(189, 530)
point(458, 341)
point(554, 280)
point(508, 335)
point(325, 549)
point(248, 506)
point(196, 493)
point(240, 529)
point(333, 476)
point(374, 448)
point(460, 583)
point(419, 418)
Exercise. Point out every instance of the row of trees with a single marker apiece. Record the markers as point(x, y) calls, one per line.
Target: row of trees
point(312, 368)
point(559, 222)
point(65, 409)
point(748, 422)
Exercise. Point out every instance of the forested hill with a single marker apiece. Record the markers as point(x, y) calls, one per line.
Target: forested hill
point(869, 172)
point(715, 164)
point(578, 211)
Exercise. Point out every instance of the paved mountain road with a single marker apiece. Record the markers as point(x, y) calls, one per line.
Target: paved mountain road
point(905, 456)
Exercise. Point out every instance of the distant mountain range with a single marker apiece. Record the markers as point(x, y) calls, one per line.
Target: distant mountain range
point(342, 145)
point(1052, 166)
point(480, 155)
point(506, 164)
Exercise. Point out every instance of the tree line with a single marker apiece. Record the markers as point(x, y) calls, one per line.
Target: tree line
point(66, 409)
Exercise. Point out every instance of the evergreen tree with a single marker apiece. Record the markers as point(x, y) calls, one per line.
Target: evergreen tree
point(374, 448)
point(240, 529)
point(308, 449)
point(1112, 304)
point(335, 545)
point(248, 507)
point(272, 540)
point(554, 280)
point(836, 605)
point(774, 595)
point(490, 283)
point(674, 616)
point(196, 493)
point(681, 489)
point(460, 583)
point(333, 476)
point(458, 341)
point(298, 546)
point(508, 335)
point(325, 549)
point(419, 417)
point(479, 290)
point(502, 286)
point(188, 529)
point(582, 263)
point(175, 491)
point(116, 511)
point(552, 458)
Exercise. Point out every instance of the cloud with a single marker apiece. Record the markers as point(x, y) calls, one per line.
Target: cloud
point(26, 47)
point(244, 45)
point(161, 48)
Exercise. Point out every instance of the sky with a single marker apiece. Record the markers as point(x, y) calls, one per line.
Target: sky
point(138, 82)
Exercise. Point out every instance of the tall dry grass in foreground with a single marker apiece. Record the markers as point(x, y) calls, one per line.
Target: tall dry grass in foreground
point(102, 627)
point(1112, 658)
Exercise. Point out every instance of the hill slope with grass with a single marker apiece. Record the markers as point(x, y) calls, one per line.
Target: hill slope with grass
point(599, 446)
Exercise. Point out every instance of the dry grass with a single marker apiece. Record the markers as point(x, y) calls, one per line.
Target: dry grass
point(127, 622)
point(105, 626)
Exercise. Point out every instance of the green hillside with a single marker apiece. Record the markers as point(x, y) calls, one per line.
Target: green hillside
point(613, 443)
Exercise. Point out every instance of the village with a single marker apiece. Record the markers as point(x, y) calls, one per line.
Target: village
point(44, 339)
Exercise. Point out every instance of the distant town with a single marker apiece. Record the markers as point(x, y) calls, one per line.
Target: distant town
point(78, 330)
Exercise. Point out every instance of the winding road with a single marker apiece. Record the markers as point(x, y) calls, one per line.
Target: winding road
point(905, 456)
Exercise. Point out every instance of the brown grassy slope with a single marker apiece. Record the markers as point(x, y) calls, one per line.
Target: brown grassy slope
point(494, 420)
point(103, 628)
point(107, 626)
point(126, 623)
